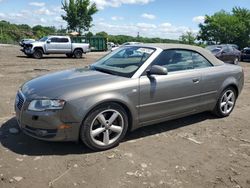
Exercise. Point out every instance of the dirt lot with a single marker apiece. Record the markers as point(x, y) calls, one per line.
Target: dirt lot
point(197, 151)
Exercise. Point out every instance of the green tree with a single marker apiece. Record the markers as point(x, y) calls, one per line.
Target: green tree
point(102, 34)
point(225, 27)
point(188, 38)
point(78, 14)
point(89, 34)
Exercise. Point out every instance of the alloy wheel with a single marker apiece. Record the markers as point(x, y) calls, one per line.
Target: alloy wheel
point(227, 102)
point(107, 127)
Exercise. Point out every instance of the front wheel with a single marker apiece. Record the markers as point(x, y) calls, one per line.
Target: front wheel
point(38, 54)
point(78, 53)
point(104, 127)
point(226, 102)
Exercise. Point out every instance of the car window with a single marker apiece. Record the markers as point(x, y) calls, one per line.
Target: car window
point(226, 49)
point(246, 51)
point(178, 60)
point(231, 49)
point(125, 61)
point(63, 40)
point(54, 39)
point(199, 61)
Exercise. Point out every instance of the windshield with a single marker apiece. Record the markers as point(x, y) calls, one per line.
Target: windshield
point(43, 39)
point(124, 61)
point(214, 49)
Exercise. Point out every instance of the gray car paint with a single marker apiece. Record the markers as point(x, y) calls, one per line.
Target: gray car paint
point(147, 100)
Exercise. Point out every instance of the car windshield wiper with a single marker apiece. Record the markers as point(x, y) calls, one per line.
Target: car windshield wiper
point(103, 70)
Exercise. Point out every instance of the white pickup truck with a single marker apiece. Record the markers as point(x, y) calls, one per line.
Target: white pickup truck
point(55, 45)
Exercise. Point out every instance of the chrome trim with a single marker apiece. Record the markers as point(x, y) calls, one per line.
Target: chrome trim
point(172, 100)
point(19, 120)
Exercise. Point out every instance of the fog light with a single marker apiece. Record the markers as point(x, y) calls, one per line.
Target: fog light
point(41, 132)
point(64, 127)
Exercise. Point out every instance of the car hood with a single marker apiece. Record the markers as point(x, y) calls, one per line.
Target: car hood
point(59, 84)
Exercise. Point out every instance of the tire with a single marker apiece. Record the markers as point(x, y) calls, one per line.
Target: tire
point(38, 54)
point(236, 60)
point(69, 55)
point(78, 53)
point(225, 103)
point(104, 127)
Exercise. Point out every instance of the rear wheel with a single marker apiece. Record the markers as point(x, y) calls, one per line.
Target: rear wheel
point(226, 102)
point(104, 127)
point(78, 53)
point(38, 54)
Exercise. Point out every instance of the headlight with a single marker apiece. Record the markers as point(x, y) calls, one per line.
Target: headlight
point(46, 104)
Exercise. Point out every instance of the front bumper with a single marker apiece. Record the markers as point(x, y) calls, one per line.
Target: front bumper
point(27, 51)
point(46, 125)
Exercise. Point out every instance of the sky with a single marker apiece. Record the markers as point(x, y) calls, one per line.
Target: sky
point(151, 18)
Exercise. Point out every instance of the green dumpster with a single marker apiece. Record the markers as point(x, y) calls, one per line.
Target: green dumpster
point(96, 43)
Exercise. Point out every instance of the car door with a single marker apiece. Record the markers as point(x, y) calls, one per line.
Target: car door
point(64, 45)
point(212, 77)
point(51, 45)
point(164, 97)
point(226, 54)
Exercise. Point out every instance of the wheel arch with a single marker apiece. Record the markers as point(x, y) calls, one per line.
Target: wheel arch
point(39, 48)
point(78, 48)
point(122, 103)
point(230, 82)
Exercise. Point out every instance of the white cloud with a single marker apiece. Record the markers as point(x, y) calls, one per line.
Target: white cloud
point(58, 9)
point(116, 18)
point(37, 4)
point(145, 26)
point(2, 15)
point(199, 19)
point(148, 16)
point(163, 30)
point(59, 20)
point(101, 4)
point(42, 20)
point(43, 11)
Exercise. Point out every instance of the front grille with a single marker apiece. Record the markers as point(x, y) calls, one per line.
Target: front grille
point(20, 101)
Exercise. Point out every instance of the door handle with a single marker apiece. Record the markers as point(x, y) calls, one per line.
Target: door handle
point(196, 80)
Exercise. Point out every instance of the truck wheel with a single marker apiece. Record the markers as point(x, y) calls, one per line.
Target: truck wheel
point(78, 53)
point(69, 55)
point(38, 54)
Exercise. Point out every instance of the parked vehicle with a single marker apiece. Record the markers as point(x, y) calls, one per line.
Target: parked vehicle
point(233, 45)
point(55, 45)
point(26, 41)
point(131, 87)
point(226, 53)
point(245, 54)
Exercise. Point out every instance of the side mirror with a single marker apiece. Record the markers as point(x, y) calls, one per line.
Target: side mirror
point(157, 70)
point(48, 41)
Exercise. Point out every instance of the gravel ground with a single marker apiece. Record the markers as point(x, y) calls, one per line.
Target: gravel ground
point(196, 151)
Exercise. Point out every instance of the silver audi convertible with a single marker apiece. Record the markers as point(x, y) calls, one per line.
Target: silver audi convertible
point(131, 87)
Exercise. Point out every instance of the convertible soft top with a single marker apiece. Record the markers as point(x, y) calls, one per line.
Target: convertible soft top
point(165, 46)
